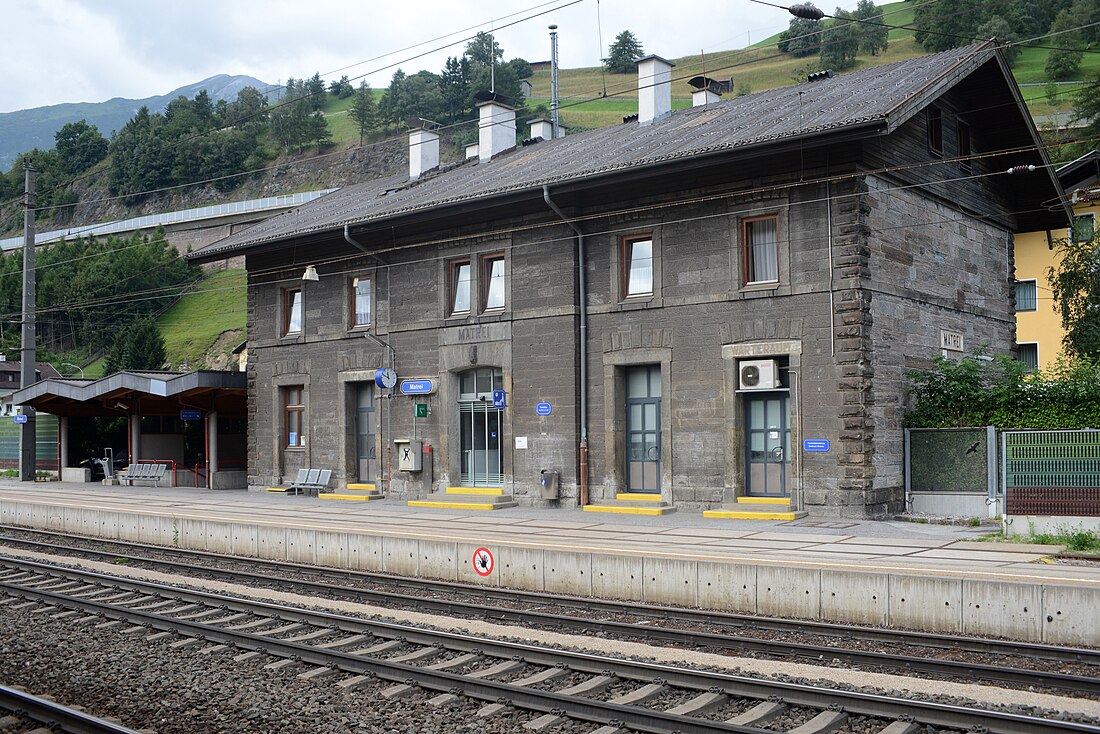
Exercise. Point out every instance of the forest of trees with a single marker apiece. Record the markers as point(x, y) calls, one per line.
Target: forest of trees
point(79, 285)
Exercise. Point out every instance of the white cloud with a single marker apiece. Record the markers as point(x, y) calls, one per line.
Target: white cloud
point(91, 50)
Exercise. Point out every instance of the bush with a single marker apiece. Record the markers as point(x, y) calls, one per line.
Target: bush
point(972, 392)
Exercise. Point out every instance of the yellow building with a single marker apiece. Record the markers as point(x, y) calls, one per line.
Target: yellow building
point(1039, 329)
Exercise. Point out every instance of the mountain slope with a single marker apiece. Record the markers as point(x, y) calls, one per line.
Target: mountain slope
point(22, 130)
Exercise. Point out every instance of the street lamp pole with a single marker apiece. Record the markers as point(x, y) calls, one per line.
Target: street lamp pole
point(75, 367)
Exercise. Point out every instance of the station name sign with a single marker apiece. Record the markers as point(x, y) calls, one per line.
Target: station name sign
point(420, 386)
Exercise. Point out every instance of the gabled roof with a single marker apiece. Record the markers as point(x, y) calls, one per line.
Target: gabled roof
point(1083, 172)
point(878, 99)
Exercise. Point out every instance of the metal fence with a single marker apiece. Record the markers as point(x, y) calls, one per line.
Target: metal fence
point(1055, 473)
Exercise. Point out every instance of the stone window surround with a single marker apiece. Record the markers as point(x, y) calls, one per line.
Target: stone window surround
point(278, 433)
point(614, 367)
point(619, 272)
point(778, 208)
point(734, 406)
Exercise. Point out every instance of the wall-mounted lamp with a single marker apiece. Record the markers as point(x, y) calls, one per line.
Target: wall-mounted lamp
point(122, 406)
point(310, 274)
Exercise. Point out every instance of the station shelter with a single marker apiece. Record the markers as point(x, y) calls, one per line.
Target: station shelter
point(193, 422)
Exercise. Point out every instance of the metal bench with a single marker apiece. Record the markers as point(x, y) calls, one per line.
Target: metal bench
point(310, 481)
point(144, 473)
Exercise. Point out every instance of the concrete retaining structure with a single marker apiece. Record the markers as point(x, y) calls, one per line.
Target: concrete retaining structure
point(953, 597)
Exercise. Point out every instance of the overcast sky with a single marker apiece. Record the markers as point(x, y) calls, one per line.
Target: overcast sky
point(93, 50)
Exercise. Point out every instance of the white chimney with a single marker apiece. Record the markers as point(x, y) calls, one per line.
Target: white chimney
point(702, 97)
point(707, 90)
point(423, 147)
point(654, 88)
point(496, 128)
point(542, 129)
point(471, 151)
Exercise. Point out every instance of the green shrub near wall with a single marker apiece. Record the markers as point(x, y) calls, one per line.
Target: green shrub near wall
point(974, 392)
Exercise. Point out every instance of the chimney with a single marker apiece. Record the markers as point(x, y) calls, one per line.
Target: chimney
point(542, 128)
point(654, 88)
point(496, 125)
point(707, 90)
point(423, 147)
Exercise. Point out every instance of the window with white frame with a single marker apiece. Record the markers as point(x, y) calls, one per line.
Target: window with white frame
point(760, 249)
point(1028, 353)
point(637, 267)
point(360, 302)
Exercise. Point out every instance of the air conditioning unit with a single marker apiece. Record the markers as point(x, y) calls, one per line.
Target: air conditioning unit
point(758, 374)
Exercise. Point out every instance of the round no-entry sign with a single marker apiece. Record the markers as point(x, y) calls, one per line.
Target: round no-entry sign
point(483, 562)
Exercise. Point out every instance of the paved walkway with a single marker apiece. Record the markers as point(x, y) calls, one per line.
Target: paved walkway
point(854, 545)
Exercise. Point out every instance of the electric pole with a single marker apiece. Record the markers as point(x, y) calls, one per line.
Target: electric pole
point(27, 449)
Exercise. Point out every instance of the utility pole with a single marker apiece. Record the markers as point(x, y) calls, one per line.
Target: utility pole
point(27, 449)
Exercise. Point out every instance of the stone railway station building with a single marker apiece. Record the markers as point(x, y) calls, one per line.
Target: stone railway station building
point(708, 305)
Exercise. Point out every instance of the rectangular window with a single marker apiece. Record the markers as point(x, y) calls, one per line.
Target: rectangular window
point(294, 416)
point(760, 249)
point(292, 311)
point(1029, 355)
point(935, 131)
point(492, 282)
point(458, 287)
point(1027, 297)
point(965, 150)
point(360, 302)
point(1084, 227)
point(637, 270)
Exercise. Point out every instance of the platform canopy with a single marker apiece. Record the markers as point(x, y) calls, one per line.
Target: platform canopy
point(140, 393)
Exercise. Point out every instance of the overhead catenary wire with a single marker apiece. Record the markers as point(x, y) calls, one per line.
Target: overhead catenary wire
point(459, 124)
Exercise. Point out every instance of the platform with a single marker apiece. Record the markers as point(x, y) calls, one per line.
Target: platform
point(930, 577)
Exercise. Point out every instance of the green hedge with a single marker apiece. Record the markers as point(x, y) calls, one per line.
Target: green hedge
point(976, 392)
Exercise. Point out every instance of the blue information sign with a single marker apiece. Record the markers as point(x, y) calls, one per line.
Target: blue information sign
point(417, 387)
point(19, 418)
point(188, 414)
point(815, 445)
point(500, 399)
point(544, 408)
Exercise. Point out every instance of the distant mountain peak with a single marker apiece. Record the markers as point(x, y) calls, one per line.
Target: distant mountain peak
point(23, 130)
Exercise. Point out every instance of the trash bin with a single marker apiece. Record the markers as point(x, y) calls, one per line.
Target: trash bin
point(548, 484)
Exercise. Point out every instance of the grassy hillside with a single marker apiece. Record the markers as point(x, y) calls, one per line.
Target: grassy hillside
point(215, 307)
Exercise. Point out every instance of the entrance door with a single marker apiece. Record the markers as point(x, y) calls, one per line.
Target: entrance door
point(643, 428)
point(482, 462)
point(768, 445)
point(365, 451)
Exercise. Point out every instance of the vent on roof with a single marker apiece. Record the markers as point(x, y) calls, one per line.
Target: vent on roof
point(630, 118)
point(707, 90)
point(818, 76)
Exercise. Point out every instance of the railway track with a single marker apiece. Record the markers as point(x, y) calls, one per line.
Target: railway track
point(558, 685)
point(21, 711)
point(706, 630)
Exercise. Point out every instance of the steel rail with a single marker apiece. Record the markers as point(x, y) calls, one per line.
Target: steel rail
point(887, 707)
point(710, 640)
point(53, 714)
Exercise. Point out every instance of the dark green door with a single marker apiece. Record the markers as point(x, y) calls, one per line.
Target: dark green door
point(767, 445)
point(643, 429)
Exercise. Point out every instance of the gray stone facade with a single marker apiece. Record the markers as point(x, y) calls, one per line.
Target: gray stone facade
point(904, 266)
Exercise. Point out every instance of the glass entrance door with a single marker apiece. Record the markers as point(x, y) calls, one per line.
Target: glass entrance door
point(480, 428)
point(365, 451)
point(768, 445)
point(643, 428)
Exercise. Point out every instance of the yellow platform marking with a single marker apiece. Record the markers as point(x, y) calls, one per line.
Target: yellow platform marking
point(495, 491)
point(747, 515)
point(361, 486)
point(627, 510)
point(276, 489)
point(764, 500)
point(638, 497)
point(359, 497)
point(452, 505)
